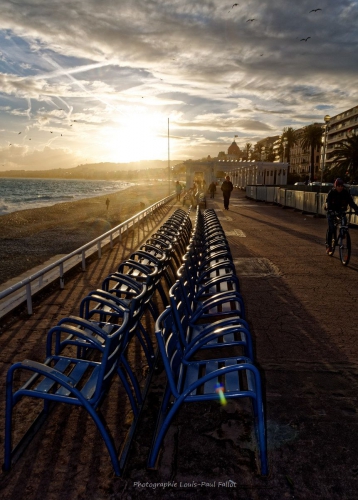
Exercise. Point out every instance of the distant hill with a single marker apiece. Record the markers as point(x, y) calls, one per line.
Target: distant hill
point(111, 171)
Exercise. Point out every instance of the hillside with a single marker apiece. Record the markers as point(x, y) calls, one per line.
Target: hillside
point(111, 171)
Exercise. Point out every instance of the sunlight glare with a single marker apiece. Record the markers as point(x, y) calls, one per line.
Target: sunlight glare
point(139, 136)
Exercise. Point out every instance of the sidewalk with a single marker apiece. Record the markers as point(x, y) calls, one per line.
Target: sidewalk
point(307, 355)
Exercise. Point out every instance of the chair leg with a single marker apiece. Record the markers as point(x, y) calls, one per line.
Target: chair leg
point(132, 378)
point(163, 423)
point(128, 391)
point(145, 343)
point(8, 429)
point(106, 437)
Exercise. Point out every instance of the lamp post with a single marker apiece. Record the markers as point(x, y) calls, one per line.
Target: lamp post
point(263, 149)
point(284, 144)
point(326, 119)
point(168, 161)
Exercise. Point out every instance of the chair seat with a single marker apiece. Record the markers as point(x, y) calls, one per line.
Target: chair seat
point(235, 384)
point(81, 373)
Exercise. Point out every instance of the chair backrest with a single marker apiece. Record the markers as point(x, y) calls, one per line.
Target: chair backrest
point(148, 260)
point(125, 286)
point(140, 272)
point(133, 292)
point(101, 305)
point(181, 312)
point(113, 346)
point(170, 348)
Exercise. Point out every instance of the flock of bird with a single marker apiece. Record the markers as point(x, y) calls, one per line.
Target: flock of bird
point(10, 144)
point(250, 20)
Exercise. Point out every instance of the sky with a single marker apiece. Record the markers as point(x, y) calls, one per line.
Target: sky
point(85, 81)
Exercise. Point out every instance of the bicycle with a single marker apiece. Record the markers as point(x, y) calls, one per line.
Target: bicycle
point(340, 236)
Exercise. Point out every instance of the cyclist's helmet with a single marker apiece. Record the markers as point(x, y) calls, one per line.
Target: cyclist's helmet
point(338, 182)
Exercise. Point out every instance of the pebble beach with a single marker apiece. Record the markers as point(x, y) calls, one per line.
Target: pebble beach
point(30, 237)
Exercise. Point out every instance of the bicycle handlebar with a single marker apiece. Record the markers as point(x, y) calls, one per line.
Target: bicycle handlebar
point(341, 212)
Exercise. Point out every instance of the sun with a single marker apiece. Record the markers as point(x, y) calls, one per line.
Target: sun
point(138, 136)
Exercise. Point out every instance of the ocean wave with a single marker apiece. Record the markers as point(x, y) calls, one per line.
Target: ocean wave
point(3, 209)
point(21, 194)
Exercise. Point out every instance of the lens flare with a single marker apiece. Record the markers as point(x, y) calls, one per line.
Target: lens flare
point(220, 390)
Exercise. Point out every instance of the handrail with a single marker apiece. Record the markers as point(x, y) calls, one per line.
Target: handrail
point(81, 250)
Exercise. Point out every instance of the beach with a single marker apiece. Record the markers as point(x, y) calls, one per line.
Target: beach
point(30, 237)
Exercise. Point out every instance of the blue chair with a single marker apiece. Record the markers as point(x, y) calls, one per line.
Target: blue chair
point(73, 381)
point(197, 381)
point(209, 333)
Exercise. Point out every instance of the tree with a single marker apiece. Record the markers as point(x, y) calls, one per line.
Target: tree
point(312, 138)
point(346, 158)
point(290, 137)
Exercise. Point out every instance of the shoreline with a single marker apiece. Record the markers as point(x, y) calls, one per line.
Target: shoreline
point(8, 207)
point(30, 237)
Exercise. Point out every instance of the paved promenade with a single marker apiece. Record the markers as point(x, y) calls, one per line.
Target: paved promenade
point(301, 306)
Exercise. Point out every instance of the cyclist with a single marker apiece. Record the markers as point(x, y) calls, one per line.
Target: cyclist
point(337, 200)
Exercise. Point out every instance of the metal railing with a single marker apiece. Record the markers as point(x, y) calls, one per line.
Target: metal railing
point(24, 290)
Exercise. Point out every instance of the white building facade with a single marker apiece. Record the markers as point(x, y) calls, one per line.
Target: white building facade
point(256, 173)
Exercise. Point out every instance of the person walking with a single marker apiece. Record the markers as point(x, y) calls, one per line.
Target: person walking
point(212, 189)
point(226, 188)
point(178, 189)
point(107, 203)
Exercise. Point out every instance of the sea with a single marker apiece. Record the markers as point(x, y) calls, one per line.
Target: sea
point(20, 194)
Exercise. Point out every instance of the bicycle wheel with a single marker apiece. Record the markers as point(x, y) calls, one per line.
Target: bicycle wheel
point(331, 244)
point(345, 248)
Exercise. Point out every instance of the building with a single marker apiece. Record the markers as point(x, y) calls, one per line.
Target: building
point(233, 152)
point(340, 127)
point(300, 158)
point(257, 173)
point(263, 149)
point(243, 173)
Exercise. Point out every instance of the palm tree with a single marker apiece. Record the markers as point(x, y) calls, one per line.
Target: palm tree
point(346, 158)
point(290, 137)
point(312, 138)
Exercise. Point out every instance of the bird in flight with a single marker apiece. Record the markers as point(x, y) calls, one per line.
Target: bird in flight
point(304, 39)
point(250, 20)
point(314, 10)
point(19, 133)
point(234, 5)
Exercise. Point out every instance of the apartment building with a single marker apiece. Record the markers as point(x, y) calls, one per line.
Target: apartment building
point(340, 127)
point(300, 158)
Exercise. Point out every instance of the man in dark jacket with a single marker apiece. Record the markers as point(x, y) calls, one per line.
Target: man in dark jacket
point(226, 188)
point(337, 200)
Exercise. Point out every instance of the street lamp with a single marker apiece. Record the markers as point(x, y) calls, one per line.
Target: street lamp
point(284, 144)
point(326, 119)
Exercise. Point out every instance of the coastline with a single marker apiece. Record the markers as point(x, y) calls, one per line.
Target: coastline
point(30, 237)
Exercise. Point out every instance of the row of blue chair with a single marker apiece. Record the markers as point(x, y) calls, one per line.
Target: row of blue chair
point(84, 352)
point(206, 314)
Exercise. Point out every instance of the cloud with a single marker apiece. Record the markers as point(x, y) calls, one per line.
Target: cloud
point(199, 63)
